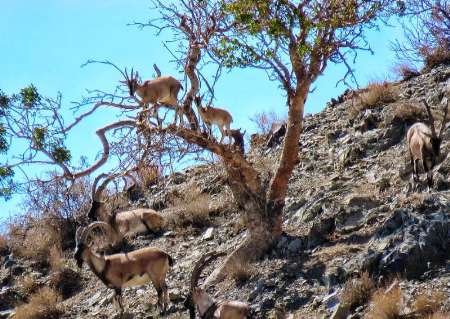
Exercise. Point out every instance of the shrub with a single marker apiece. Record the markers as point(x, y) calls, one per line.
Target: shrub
point(265, 120)
point(378, 93)
point(439, 315)
point(386, 304)
point(4, 247)
point(428, 304)
point(375, 95)
point(357, 291)
point(37, 242)
point(42, 305)
point(148, 175)
point(241, 272)
point(60, 203)
point(65, 281)
point(192, 210)
point(406, 71)
point(405, 113)
point(435, 56)
point(196, 208)
point(26, 285)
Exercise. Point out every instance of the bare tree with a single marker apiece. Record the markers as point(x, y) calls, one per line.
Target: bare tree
point(426, 25)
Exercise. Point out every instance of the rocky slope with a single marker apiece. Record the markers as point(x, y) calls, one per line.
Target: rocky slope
point(349, 210)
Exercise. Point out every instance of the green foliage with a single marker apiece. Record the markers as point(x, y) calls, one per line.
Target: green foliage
point(30, 96)
point(4, 101)
point(3, 141)
point(61, 154)
point(265, 30)
point(6, 182)
point(39, 134)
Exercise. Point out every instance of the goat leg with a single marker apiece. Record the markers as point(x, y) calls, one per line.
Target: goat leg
point(117, 298)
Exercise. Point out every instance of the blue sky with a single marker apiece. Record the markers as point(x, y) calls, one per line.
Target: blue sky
point(45, 42)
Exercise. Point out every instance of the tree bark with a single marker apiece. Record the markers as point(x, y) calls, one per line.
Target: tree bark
point(262, 213)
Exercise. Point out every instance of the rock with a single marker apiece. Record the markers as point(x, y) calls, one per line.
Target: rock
point(9, 298)
point(92, 301)
point(208, 234)
point(294, 246)
point(409, 244)
point(319, 231)
point(268, 302)
point(175, 295)
point(334, 275)
point(340, 312)
point(7, 313)
point(361, 202)
point(331, 300)
point(350, 220)
point(295, 204)
point(307, 213)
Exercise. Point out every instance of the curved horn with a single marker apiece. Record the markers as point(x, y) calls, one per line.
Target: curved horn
point(78, 234)
point(430, 117)
point(157, 70)
point(95, 194)
point(88, 229)
point(201, 263)
point(103, 185)
point(444, 119)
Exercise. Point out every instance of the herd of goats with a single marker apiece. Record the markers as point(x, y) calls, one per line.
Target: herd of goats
point(141, 266)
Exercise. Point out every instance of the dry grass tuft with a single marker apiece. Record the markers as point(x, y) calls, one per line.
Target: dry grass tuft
point(194, 209)
point(148, 176)
point(408, 113)
point(37, 243)
point(378, 93)
point(386, 304)
point(357, 291)
point(264, 121)
point(65, 281)
point(406, 71)
point(42, 305)
point(428, 304)
point(56, 260)
point(435, 56)
point(4, 247)
point(439, 315)
point(375, 95)
point(27, 285)
point(241, 272)
point(197, 209)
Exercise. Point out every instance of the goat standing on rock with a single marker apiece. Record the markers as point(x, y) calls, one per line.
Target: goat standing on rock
point(118, 271)
point(424, 145)
point(207, 307)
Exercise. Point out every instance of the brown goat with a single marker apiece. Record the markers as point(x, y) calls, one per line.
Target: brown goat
point(136, 221)
point(424, 145)
point(211, 115)
point(118, 271)
point(207, 307)
point(162, 90)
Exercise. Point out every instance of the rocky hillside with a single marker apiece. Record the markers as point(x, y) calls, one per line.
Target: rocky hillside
point(355, 230)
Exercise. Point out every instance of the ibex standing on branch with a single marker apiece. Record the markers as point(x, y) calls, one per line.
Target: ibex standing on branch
point(134, 268)
point(424, 145)
point(211, 115)
point(162, 90)
point(207, 307)
point(136, 221)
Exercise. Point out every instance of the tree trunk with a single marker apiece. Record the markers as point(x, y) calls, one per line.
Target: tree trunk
point(262, 212)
